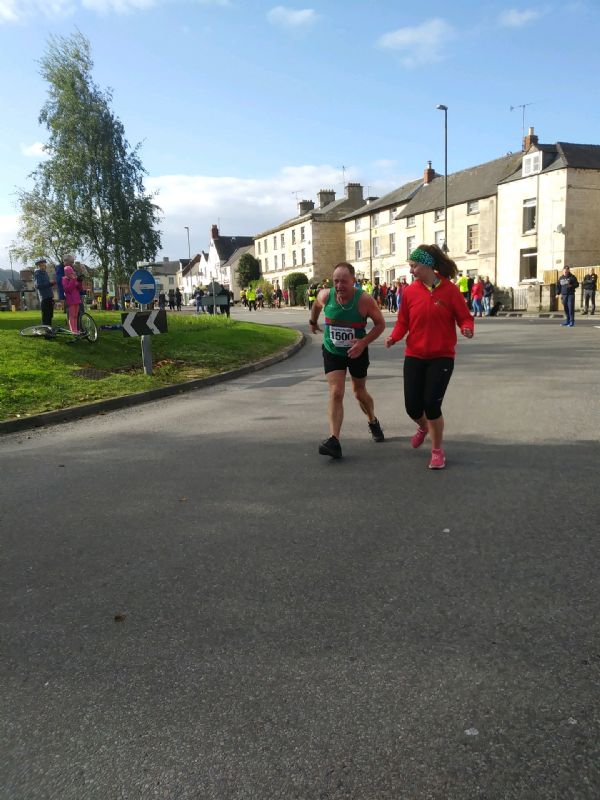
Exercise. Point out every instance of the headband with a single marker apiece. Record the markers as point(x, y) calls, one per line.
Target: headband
point(422, 257)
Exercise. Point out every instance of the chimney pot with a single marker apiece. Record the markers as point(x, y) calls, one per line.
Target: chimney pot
point(530, 139)
point(214, 232)
point(354, 192)
point(304, 206)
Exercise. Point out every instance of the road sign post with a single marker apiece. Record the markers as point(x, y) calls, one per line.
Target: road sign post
point(143, 288)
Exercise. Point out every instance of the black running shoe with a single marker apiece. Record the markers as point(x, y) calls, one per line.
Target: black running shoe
point(331, 447)
point(376, 431)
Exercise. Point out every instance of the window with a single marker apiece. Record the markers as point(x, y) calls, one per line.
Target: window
point(260, 265)
point(528, 265)
point(375, 220)
point(357, 224)
point(529, 215)
point(438, 214)
point(473, 207)
point(274, 243)
point(390, 275)
point(302, 233)
point(283, 261)
point(375, 246)
point(392, 213)
point(274, 262)
point(294, 258)
point(171, 281)
point(440, 239)
point(357, 249)
point(266, 264)
point(472, 238)
point(266, 244)
point(411, 222)
point(532, 163)
point(411, 243)
point(293, 235)
point(392, 244)
point(303, 254)
point(283, 239)
point(259, 248)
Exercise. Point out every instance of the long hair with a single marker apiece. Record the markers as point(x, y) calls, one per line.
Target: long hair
point(444, 265)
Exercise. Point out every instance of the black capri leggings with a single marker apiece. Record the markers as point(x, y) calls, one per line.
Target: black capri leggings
point(425, 383)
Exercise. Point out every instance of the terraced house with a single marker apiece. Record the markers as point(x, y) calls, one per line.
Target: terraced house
point(511, 218)
point(312, 242)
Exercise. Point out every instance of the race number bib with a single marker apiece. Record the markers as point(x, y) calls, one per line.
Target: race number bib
point(342, 337)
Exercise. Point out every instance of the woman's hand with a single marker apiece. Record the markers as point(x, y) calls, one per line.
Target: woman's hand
point(467, 333)
point(389, 342)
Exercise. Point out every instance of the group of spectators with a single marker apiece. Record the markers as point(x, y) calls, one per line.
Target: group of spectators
point(69, 288)
point(173, 297)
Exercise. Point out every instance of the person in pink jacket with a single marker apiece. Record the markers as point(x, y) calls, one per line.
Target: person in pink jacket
point(477, 297)
point(72, 297)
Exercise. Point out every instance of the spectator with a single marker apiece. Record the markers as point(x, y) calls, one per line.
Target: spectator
point(251, 298)
point(488, 293)
point(260, 299)
point(178, 299)
point(477, 297)
point(401, 285)
point(590, 283)
point(243, 298)
point(162, 300)
point(44, 285)
point(463, 287)
point(198, 295)
point(72, 297)
point(286, 296)
point(565, 287)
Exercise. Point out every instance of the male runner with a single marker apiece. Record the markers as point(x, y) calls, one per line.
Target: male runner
point(345, 347)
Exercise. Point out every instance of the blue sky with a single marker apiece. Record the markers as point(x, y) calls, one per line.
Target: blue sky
point(240, 104)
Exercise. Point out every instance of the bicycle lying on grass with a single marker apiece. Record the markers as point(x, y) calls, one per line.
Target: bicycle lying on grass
point(87, 330)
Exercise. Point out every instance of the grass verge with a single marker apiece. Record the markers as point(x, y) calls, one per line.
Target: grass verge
point(38, 375)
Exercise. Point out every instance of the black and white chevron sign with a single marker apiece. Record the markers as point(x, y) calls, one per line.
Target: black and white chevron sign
point(144, 323)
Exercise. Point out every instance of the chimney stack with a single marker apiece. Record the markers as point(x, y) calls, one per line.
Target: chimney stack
point(429, 174)
point(530, 139)
point(354, 193)
point(304, 206)
point(214, 232)
point(325, 196)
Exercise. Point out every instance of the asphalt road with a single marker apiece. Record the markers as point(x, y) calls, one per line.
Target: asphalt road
point(294, 627)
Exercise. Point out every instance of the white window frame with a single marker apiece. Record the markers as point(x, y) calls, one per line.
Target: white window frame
point(375, 220)
point(438, 215)
point(294, 257)
point(531, 202)
point(392, 241)
point(302, 237)
point(258, 243)
point(411, 222)
point(473, 238)
point(275, 242)
point(303, 256)
point(532, 164)
point(283, 261)
point(282, 239)
point(357, 250)
point(375, 246)
point(473, 207)
point(293, 235)
point(357, 224)
point(439, 239)
point(411, 243)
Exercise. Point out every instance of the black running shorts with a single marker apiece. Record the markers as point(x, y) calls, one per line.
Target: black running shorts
point(357, 367)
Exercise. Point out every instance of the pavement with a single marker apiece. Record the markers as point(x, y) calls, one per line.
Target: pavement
point(195, 604)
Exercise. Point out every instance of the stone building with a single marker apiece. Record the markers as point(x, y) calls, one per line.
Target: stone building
point(548, 211)
point(312, 242)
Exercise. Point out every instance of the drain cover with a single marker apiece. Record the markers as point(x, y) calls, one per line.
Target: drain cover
point(90, 374)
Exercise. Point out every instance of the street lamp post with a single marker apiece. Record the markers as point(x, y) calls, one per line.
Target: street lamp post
point(443, 108)
point(188, 237)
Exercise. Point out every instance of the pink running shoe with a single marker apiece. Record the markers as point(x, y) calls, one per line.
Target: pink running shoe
point(438, 459)
point(419, 437)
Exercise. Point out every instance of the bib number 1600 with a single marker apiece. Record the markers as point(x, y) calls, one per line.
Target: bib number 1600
point(342, 337)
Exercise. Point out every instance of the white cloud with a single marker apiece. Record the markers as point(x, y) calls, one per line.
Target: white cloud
point(511, 18)
point(289, 18)
point(385, 163)
point(240, 206)
point(420, 44)
point(20, 10)
point(35, 150)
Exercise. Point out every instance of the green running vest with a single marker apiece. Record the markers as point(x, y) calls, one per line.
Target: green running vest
point(342, 325)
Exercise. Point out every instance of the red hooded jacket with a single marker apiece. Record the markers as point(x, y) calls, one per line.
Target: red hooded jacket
point(430, 318)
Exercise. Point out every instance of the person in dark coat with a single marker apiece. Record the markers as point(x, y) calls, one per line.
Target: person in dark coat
point(565, 287)
point(178, 299)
